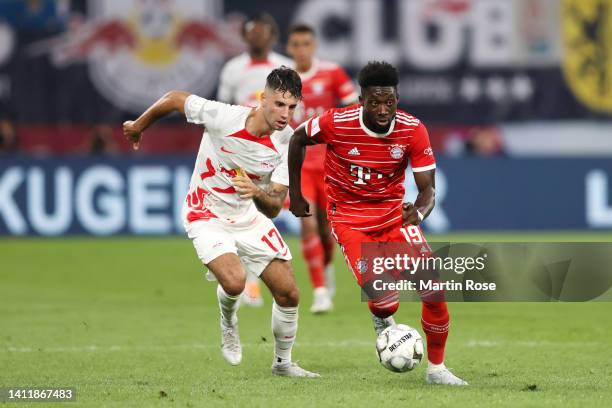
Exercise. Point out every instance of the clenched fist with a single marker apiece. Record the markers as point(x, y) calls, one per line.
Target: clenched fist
point(132, 133)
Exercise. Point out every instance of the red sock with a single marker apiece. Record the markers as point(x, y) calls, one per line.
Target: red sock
point(384, 306)
point(435, 322)
point(312, 249)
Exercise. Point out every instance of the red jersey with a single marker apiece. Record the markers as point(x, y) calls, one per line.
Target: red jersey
point(326, 85)
point(364, 171)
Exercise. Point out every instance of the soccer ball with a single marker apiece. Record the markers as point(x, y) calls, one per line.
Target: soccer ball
point(399, 348)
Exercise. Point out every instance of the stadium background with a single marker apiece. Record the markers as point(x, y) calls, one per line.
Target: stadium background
point(517, 96)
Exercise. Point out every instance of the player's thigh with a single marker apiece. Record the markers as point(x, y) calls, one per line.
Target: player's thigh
point(260, 244)
point(409, 240)
point(229, 272)
point(216, 249)
point(279, 278)
point(351, 243)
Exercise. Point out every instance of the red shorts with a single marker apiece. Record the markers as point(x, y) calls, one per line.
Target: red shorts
point(397, 238)
point(313, 186)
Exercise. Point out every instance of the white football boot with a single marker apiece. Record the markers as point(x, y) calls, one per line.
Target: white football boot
point(381, 324)
point(292, 370)
point(230, 344)
point(442, 375)
point(322, 301)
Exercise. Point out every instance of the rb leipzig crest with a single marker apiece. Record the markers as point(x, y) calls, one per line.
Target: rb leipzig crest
point(137, 50)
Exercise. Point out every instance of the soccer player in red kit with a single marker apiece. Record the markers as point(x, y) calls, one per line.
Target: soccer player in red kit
point(369, 146)
point(325, 85)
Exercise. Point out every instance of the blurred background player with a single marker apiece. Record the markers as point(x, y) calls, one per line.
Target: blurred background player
point(369, 147)
point(231, 199)
point(243, 77)
point(242, 81)
point(325, 85)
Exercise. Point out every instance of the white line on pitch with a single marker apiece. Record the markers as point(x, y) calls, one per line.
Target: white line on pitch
point(330, 344)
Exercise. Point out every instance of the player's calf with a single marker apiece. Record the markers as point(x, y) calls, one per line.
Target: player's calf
point(231, 276)
point(385, 305)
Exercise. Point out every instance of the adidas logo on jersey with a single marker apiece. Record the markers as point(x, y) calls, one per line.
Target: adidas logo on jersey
point(354, 152)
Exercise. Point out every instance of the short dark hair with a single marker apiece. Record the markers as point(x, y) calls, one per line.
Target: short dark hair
point(378, 73)
point(262, 18)
point(285, 79)
point(301, 28)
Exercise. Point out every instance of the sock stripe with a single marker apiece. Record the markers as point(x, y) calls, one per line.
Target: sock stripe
point(435, 327)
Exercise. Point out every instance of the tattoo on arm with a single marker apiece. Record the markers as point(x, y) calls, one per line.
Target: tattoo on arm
point(270, 201)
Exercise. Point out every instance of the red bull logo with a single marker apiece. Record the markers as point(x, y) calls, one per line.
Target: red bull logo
point(139, 49)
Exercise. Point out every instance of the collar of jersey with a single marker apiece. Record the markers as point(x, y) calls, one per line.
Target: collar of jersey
point(305, 76)
point(371, 132)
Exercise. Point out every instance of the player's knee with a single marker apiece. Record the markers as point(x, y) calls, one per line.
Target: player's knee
point(383, 309)
point(288, 298)
point(234, 286)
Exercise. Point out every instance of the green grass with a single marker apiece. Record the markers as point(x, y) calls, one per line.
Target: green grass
point(124, 319)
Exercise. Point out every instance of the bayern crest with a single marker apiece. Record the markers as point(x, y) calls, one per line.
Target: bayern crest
point(362, 265)
point(396, 152)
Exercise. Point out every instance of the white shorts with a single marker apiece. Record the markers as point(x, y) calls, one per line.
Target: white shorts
point(257, 244)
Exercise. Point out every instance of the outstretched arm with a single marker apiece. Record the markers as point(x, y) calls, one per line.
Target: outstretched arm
point(417, 212)
point(297, 149)
point(171, 102)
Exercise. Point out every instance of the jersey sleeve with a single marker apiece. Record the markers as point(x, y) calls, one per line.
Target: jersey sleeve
point(321, 128)
point(421, 154)
point(344, 87)
point(201, 111)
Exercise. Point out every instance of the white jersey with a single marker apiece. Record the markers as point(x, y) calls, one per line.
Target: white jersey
point(225, 148)
point(243, 79)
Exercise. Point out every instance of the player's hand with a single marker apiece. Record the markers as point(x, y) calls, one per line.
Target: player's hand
point(410, 214)
point(245, 187)
point(132, 133)
point(299, 207)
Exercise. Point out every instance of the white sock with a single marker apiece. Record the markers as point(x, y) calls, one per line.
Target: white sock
point(228, 305)
point(431, 367)
point(284, 327)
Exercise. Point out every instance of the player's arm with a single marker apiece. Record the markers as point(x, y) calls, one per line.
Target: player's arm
point(171, 102)
point(269, 201)
point(297, 150)
point(423, 166)
point(426, 183)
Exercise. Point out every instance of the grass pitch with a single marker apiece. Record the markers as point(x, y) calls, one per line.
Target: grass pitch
point(133, 323)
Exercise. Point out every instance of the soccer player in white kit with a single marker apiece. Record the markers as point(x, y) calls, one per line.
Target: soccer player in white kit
point(243, 77)
point(242, 82)
point(239, 182)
